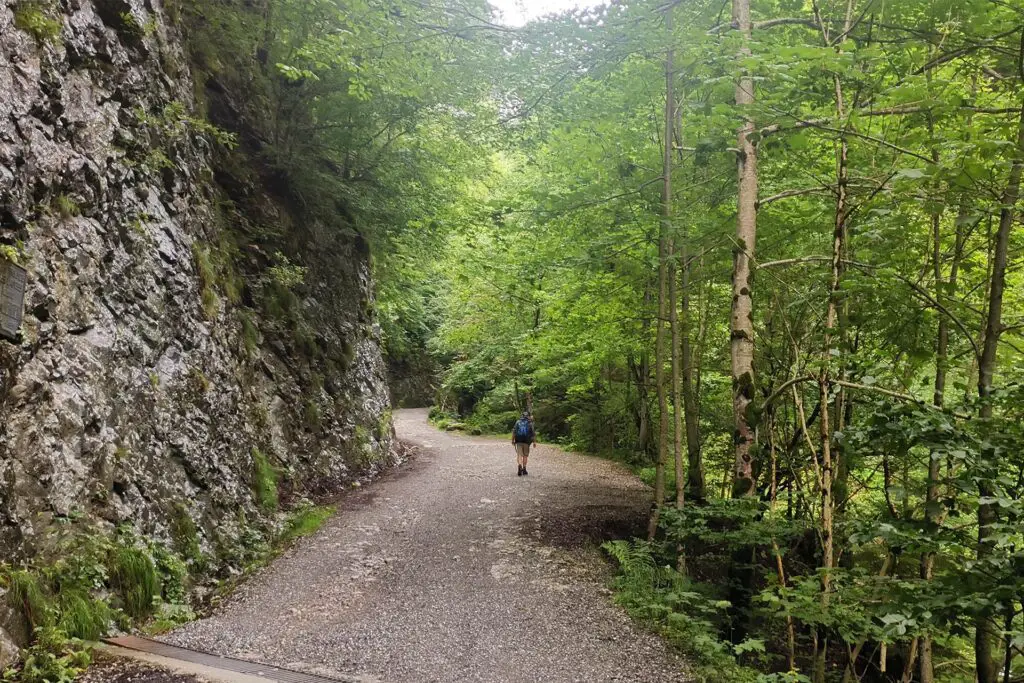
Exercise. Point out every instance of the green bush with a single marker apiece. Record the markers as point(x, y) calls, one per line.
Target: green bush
point(689, 614)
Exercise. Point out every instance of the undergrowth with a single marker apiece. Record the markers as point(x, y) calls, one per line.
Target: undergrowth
point(306, 521)
point(97, 581)
point(686, 613)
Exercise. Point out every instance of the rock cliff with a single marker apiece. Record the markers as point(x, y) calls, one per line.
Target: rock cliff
point(185, 325)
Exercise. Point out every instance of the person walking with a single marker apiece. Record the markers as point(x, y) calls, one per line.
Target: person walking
point(523, 435)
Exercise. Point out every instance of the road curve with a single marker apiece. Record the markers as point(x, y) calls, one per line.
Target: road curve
point(452, 568)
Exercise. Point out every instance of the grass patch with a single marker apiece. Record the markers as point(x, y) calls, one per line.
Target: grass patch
point(216, 271)
point(66, 207)
point(134, 577)
point(311, 415)
point(82, 615)
point(264, 482)
point(305, 521)
point(211, 303)
point(94, 581)
point(26, 595)
point(250, 333)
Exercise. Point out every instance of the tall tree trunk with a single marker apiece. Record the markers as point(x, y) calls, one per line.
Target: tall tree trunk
point(659, 380)
point(643, 375)
point(741, 325)
point(695, 465)
point(985, 631)
point(934, 512)
point(828, 466)
point(666, 208)
point(666, 290)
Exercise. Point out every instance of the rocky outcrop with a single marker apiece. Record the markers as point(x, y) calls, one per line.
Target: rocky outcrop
point(162, 344)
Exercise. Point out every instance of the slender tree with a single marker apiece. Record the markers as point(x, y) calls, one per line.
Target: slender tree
point(742, 319)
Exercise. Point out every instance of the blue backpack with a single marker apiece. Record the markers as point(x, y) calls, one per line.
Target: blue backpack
point(523, 431)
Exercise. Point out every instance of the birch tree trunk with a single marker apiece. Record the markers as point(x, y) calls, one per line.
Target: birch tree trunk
point(741, 326)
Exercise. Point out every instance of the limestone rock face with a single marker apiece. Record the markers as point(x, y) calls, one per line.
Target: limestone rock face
point(140, 387)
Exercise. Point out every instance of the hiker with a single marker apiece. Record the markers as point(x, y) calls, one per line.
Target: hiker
point(523, 435)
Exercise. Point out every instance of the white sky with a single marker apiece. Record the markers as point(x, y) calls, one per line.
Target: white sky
point(518, 12)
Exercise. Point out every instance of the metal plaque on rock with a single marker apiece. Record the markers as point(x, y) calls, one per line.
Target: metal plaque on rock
point(12, 298)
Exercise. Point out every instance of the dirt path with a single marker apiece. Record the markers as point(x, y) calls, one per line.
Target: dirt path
point(453, 569)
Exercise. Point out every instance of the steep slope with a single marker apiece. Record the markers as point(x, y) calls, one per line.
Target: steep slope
point(187, 329)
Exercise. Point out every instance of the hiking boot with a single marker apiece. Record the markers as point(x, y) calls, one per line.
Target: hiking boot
point(525, 472)
point(521, 471)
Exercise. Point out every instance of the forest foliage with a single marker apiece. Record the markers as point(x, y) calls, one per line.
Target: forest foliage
point(767, 251)
point(802, 317)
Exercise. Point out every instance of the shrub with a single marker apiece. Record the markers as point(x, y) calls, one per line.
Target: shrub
point(52, 658)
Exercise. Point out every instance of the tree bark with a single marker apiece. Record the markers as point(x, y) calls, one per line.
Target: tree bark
point(666, 207)
point(666, 298)
point(742, 319)
point(695, 466)
point(985, 631)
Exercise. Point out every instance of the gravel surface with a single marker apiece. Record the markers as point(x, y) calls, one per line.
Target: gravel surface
point(452, 568)
point(107, 669)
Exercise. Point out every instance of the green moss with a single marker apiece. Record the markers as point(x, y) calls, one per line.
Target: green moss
point(305, 341)
point(35, 19)
point(12, 254)
point(384, 424)
point(264, 482)
point(311, 414)
point(347, 354)
point(199, 380)
point(134, 577)
point(154, 379)
point(250, 333)
point(185, 535)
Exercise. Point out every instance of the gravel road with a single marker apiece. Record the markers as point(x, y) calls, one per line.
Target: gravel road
point(452, 568)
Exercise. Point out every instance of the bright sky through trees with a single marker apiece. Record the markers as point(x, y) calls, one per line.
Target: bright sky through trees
point(518, 12)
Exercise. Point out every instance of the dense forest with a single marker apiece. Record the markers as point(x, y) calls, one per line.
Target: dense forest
point(767, 252)
point(770, 254)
